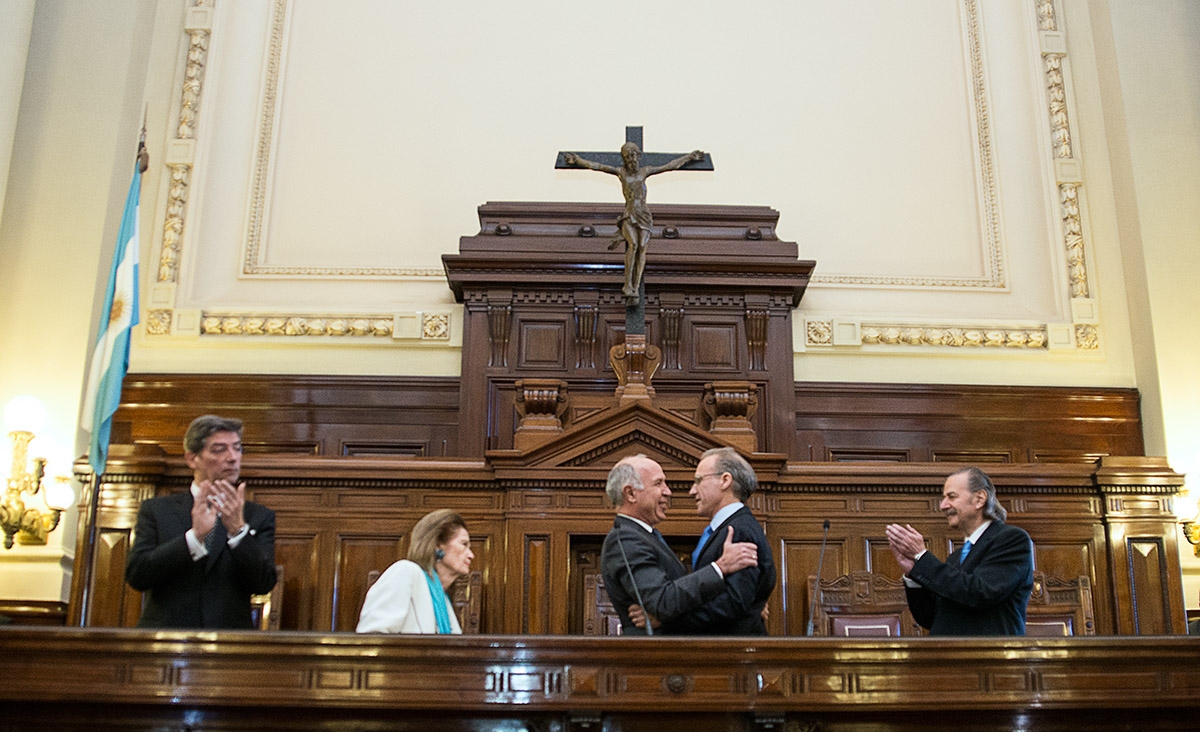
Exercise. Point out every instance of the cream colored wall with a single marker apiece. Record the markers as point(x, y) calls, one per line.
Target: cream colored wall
point(864, 140)
point(1157, 47)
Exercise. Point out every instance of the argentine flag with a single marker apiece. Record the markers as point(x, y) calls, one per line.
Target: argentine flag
point(110, 358)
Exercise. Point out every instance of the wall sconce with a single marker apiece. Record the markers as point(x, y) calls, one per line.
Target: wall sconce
point(27, 512)
point(1191, 532)
point(1191, 527)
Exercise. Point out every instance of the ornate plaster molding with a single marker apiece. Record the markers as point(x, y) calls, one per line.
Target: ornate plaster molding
point(821, 333)
point(433, 326)
point(198, 26)
point(994, 276)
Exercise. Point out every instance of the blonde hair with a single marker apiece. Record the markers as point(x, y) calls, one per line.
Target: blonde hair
point(436, 527)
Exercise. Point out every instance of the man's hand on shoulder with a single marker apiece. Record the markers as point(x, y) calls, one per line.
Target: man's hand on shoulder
point(737, 555)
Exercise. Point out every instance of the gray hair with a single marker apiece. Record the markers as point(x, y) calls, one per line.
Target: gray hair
point(977, 480)
point(434, 529)
point(623, 473)
point(206, 426)
point(730, 461)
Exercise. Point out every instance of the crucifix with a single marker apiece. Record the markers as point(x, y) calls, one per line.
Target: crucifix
point(632, 167)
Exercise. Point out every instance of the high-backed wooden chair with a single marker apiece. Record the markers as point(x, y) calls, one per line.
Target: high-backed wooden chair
point(1060, 607)
point(265, 609)
point(466, 594)
point(860, 604)
point(599, 617)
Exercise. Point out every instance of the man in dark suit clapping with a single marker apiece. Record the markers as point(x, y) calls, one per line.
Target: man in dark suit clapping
point(200, 555)
point(984, 586)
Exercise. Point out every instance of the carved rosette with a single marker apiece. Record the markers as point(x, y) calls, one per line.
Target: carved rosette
point(818, 332)
point(540, 405)
point(158, 322)
point(728, 407)
point(1087, 337)
point(435, 326)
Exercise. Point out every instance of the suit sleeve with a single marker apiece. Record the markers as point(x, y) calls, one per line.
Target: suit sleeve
point(921, 605)
point(663, 598)
point(1003, 567)
point(737, 599)
point(254, 557)
point(151, 563)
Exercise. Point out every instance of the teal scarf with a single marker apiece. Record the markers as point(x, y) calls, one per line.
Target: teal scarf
point(439, 603)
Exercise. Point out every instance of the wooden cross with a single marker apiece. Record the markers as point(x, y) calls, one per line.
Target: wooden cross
point(635, 312)
point(634, 361)
point(634, 135)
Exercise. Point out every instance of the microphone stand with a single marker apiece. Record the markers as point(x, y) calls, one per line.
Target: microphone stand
point(812, 609)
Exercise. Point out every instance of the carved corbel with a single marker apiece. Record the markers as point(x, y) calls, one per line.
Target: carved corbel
point(585, 336)
point(671, 319)
point(728, 407)
point(756, 337)
point(540, 404)
point(499, 311)
point(634, 363)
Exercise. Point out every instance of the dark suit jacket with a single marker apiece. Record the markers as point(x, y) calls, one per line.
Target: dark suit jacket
point(737, 610)
point(667, 590)
point(213, 592)
point(986, 595)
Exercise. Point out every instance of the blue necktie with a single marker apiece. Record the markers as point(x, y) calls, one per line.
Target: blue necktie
point(703, 540)
point(966, 549)
point(658, 535)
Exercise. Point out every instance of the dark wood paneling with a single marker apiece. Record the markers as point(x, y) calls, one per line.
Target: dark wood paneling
point(142, 680)
point(33, 612)
point(834, 422)
point(322, 415)
point(965, 424)
point(340, 518)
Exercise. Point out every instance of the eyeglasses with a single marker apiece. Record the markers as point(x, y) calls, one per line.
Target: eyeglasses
point(699, 478)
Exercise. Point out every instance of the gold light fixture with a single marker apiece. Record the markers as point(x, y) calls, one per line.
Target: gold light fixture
point(28, 513)
point(1191, 527)
point(1191, 531)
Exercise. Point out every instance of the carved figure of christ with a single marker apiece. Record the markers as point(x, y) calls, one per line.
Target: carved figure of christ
point(636, 225)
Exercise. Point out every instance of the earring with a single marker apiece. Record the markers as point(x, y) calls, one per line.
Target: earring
point(439, 554)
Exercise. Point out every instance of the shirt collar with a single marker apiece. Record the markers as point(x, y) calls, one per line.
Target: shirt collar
point(974, 537)
point(649, 529)
point(720, 516)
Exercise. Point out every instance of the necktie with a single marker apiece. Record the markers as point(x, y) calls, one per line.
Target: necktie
point(966, 549)
point(703, 540)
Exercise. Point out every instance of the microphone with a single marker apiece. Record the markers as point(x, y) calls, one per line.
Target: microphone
point(636, 593)
point(812, 610)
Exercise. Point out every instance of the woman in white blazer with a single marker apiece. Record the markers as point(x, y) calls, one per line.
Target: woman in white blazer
point(410, 597)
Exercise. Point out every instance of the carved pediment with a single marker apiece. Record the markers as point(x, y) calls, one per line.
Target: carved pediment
point(602, 440)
